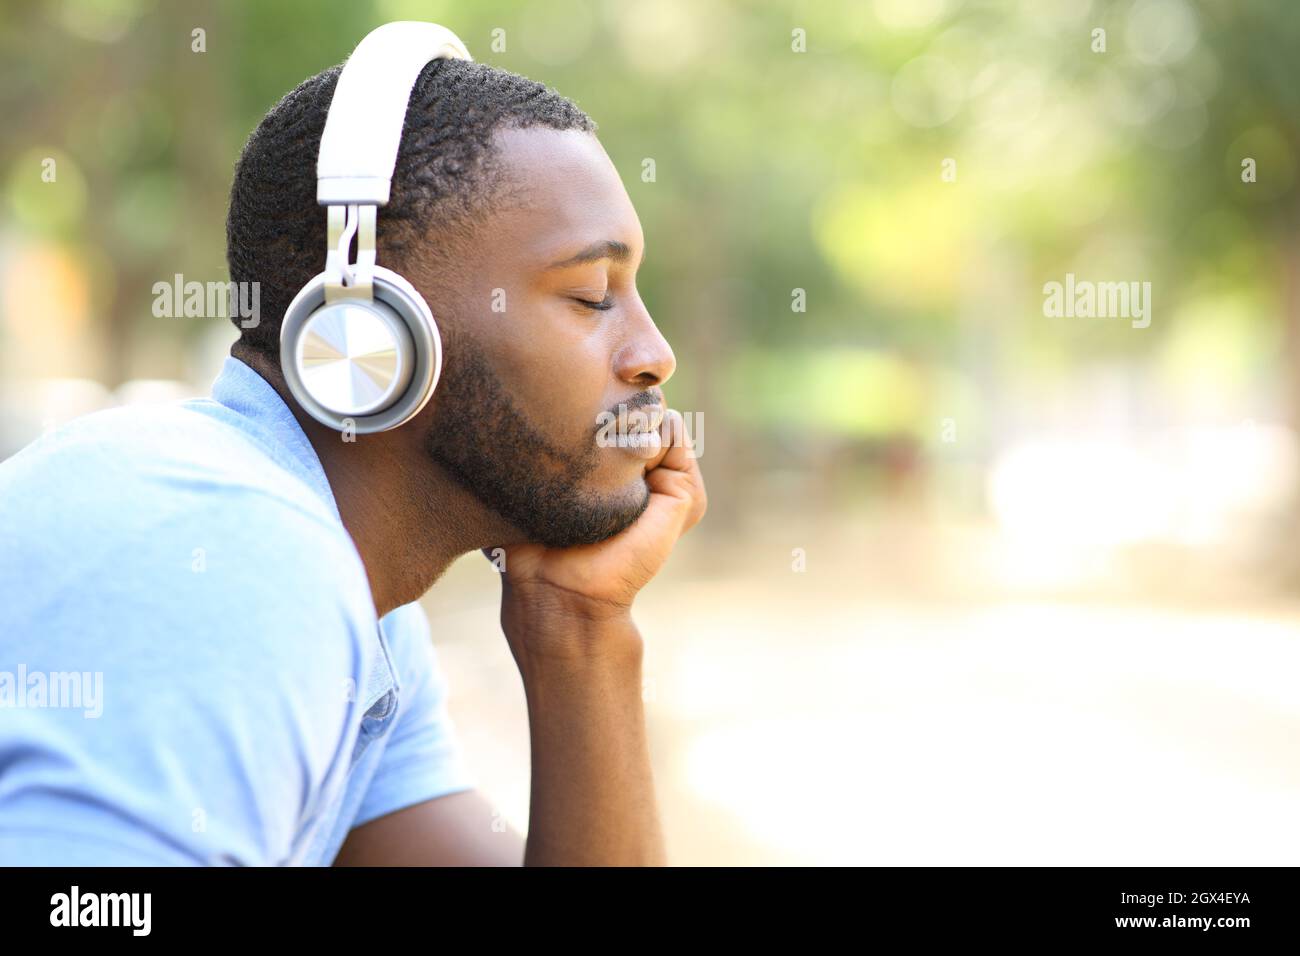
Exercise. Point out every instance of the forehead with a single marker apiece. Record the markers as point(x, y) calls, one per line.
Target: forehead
point(564, 193)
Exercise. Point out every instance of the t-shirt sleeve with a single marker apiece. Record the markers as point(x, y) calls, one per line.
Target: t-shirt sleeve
point(423, 758)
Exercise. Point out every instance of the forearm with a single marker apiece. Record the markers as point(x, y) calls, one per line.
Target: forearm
point(592, 799)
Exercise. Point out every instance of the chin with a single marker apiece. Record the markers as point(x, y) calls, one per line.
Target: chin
point(593, 518)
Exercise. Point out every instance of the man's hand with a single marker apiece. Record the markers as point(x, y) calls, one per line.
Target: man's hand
point(597, 582)
point(566, 613)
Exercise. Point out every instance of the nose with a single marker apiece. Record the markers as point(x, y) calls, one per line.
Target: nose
point(646, 358)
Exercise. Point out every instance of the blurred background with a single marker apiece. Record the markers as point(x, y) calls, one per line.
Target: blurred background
point(978, 584)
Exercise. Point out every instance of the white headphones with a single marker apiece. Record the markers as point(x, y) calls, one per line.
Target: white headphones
point(358, 345)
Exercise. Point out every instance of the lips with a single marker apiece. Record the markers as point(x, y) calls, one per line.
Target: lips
point(643, 444)
point(638, 431)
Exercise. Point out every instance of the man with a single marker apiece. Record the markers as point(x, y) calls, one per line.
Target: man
point(234, 583)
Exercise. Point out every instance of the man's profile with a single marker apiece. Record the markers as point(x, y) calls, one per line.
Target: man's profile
point(244, 577)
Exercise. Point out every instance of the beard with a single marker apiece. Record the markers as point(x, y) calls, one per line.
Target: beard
point(487, 445)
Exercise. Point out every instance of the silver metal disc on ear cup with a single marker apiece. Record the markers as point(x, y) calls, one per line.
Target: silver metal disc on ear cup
point(368, 365)
point(354, 357)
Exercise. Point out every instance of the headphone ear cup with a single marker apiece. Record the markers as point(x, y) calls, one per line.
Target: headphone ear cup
point(368, 366)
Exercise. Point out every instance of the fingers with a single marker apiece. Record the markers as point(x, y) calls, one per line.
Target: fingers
point(678, 448)
point(676, 472)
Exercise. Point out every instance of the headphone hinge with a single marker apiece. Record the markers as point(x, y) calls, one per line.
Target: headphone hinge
point(345, 279)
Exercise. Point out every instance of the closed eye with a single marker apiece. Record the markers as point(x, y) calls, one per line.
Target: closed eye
point(601, 306)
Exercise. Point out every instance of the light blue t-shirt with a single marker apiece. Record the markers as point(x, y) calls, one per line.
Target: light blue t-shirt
point(191, 669)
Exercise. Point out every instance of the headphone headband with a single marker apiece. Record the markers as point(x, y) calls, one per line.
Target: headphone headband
point(359, 347)
point(358, 149)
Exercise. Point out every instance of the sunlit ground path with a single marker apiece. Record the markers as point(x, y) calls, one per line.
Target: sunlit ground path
point(870, 711)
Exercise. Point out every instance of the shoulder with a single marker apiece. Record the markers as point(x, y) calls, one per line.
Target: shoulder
point(158, 484)
point(154, 457)
point(147, 523)
point(220, 604)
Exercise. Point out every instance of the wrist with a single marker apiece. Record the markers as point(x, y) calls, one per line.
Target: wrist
point(538, 601)
point(576, 694)
point(557, 633)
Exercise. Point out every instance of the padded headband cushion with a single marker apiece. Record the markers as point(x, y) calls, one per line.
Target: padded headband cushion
point(358, 149)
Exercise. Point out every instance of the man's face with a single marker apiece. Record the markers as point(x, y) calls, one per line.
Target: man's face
point(530, 366)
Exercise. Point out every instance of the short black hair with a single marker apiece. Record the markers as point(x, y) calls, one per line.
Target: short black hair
point(275, 231)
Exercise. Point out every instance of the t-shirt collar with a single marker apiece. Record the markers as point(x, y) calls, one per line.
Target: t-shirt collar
point(242, 390)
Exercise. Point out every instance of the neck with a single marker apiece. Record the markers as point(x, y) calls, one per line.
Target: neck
point(407, 517)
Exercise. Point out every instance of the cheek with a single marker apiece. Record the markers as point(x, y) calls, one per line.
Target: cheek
point(553, 363)
point(556, 364)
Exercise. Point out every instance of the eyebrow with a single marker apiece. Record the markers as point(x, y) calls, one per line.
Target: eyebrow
point(604, 249)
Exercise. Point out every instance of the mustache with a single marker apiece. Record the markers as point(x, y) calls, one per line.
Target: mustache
point(650, 398)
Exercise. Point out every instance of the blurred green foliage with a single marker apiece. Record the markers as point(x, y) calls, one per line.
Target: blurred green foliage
point(777, 169)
